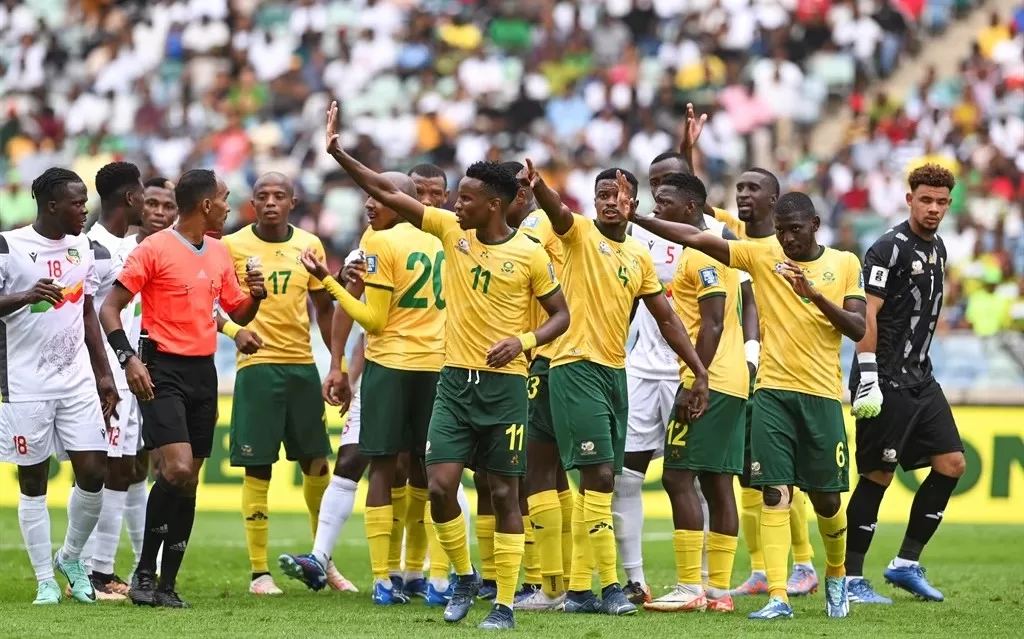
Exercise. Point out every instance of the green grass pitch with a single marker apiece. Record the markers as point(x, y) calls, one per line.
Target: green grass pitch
point(979, 568)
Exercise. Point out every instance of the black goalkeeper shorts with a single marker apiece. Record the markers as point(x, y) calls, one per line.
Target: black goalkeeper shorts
point(914, 425)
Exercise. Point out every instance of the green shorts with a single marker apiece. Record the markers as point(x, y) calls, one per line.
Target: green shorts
point(713, 443)
point(479, 420)
point(275, 404)
point(799, 440)
point(590, 405)
point(541, 427)
point(395, 409)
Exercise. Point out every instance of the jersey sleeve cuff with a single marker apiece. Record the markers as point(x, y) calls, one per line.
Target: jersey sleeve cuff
point(557, 288)
point(701, 298)
point(380, 286)
point(856, 297)
point(660, 291)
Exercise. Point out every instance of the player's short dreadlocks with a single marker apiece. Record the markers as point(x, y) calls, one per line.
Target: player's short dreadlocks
point(931, 175)
point(498, 179)
point(49, 185)
point(115, 179)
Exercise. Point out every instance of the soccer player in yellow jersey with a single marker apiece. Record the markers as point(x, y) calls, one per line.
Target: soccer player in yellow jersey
point(757, 191)
point(277, 389)
point(605, 270)
point(404, 318)
point(810, 297)
point(490, 273)
point(706, 296)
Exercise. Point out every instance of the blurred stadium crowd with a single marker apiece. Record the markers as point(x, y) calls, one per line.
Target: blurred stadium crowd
point(241, 86)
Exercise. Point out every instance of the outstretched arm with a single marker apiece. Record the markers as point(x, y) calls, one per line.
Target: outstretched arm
point(548, 199)
point(376, 186)
point(686, 235)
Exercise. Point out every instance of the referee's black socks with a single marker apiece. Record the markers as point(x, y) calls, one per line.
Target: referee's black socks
point(861, 518)
point(926, 513)
point(161, 509)
point(177, 540)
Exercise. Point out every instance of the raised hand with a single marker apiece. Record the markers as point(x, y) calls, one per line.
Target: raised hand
point(528, 176)
point(694, 126)
point(624, 200)
point(333, 146)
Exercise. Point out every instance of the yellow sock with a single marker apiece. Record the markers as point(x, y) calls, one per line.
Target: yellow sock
point(438, 557)
point(688, 544)
point(775, 543)
point(313, 487)
point(546, 516)
point(582, 573)
point(750, 524)
point(415, 530)
point(803, 552)
point(597, 512)
point(721, 553)
point(399, 505)
point(567, 502)
point(531, 554)
point(485, 540)
point(452, 537)
point(255, 516)
point(379, 522)
point(508, 555)
point(833, 533)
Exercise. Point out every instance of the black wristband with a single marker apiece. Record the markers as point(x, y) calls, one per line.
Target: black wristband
point(119, 341)
point(868, 368)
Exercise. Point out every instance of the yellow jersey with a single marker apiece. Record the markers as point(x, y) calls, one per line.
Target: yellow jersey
point(602, 278)
point(283, 320)
point(407, 262)
point(698, 277)
point(537, 226)
point(490, 286)
point(801, 351)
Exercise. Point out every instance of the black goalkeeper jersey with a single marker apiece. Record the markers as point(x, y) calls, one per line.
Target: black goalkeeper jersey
point(906, 271)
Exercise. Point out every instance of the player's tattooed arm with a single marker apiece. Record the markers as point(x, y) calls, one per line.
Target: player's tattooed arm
point(376, 186)
point(548, 199)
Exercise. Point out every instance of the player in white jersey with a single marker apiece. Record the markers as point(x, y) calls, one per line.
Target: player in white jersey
point(119, 186)
point(652, 374)
point(52, 364)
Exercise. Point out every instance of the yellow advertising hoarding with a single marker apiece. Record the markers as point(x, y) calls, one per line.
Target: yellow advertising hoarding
point(992, 490)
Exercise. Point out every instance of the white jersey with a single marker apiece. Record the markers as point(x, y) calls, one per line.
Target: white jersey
point(651, 357)
point(42, 346)
point(110, 253)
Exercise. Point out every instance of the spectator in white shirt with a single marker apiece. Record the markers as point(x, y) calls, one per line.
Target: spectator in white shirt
point(205, 35)
point(604, 134)
point(649, 141)
point(861, 35)
point(25, 69)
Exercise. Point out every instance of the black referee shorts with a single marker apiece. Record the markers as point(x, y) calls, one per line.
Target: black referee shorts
point(915, 424)
point(184, 404)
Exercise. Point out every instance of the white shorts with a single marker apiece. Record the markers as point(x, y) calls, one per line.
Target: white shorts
point(32, 431)
point(123, 439)
point(350, 434)
point(650, 409)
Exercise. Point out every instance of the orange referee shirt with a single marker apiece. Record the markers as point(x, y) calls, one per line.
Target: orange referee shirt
point(180, 286)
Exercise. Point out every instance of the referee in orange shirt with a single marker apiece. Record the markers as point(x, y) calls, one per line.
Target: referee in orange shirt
point(182, 275)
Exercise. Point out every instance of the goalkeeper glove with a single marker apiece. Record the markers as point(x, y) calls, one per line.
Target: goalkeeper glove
point(867, 403)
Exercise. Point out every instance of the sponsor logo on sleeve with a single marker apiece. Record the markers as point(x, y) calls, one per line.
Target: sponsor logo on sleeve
point(371, 264)
point(708, 276)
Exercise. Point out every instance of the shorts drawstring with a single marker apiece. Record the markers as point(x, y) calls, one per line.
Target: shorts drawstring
point(469, 376)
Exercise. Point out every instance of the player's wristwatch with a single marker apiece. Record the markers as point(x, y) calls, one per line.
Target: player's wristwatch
point(124, 356)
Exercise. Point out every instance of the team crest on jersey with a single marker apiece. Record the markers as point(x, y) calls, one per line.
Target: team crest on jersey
point(604, 249)
point(708, 276)
point(484, 254)
point(531, 222)
point(780, 268)
point(916, 267)
point(508, 267)
point(931, 258)
point(74, 257)
point(828, 276)
point(463, 245)
point(371, 264)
